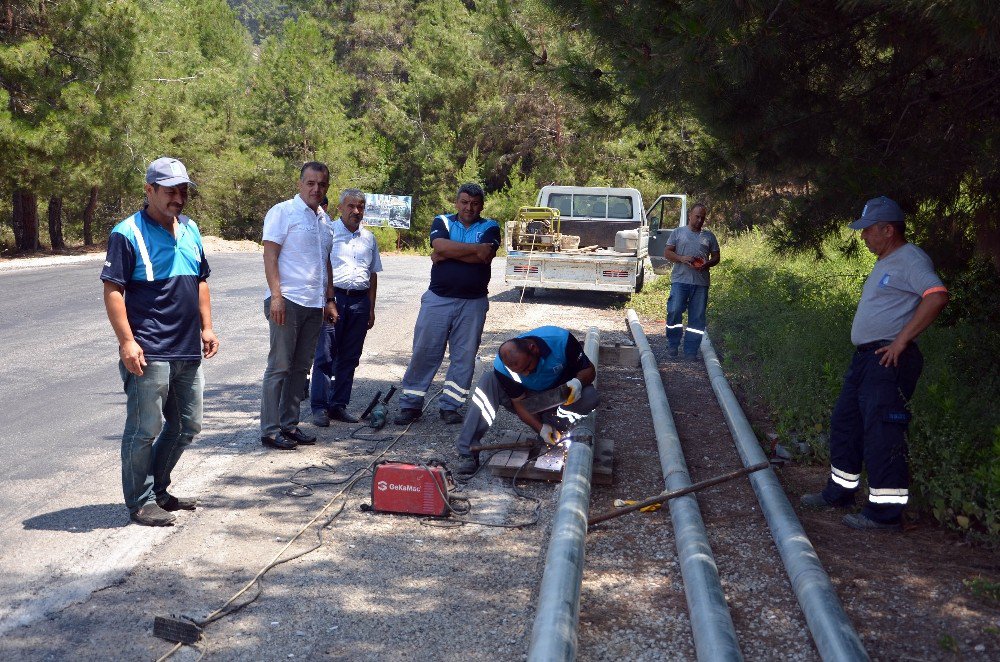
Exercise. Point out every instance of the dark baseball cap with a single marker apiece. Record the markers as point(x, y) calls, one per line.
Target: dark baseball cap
point(878, 210)
point(167, 171)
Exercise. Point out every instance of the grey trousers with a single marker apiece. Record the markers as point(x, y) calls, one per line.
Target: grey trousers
point(444, 320)
point(489, 396)
point(292, 347)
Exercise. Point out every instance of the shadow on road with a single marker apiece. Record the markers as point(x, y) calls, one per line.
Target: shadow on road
point(81, 519)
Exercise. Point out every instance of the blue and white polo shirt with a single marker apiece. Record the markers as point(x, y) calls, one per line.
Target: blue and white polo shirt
point(454, 278)
point(161, 277)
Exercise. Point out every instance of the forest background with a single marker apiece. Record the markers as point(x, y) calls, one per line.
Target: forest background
point(785, 116)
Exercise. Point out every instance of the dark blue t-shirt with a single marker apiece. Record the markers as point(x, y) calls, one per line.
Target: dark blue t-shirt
point(160, 276)
point(462, 280)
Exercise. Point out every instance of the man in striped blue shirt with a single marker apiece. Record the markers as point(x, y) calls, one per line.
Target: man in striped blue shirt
point(157, 299)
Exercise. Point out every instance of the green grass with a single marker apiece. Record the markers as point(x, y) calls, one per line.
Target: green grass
point(782, 323)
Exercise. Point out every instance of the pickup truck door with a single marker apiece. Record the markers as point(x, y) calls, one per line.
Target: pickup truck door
point(666, 213)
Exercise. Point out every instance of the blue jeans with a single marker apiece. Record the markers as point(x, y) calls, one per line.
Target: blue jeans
point(694, 299)
point(164, 413)
point(338, 353)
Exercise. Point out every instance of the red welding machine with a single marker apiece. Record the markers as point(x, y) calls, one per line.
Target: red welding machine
point(414, 489)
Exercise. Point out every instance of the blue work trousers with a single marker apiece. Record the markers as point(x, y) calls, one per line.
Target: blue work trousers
point(489, 396)
point(693, 299)
point(868, 427)
point(163, 414)
point(444, 320)
point(338, 353)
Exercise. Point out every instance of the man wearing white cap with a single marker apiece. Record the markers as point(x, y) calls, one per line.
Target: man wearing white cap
point(157, 299)
point(901, 297)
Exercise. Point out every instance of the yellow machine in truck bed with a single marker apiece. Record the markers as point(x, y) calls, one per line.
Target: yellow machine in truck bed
point(535, 229)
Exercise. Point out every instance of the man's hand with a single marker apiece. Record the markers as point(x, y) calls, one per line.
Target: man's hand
point(277, 313)
point(889, 355)
point(485, 252)
point(371, 318)
point(550, 435)
point(132, 356)
point(330, 313)
point(209, 343)
point(436, 257)
point(575, 387)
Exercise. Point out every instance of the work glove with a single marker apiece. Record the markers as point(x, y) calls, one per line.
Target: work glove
point(549, 434)
point(575, 387)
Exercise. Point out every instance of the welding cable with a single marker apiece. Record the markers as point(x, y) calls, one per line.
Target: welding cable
point(459, 520)
point(225, 609)
point(306, 489)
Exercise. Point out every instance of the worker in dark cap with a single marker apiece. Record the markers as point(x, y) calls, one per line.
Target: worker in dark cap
point(901, 297)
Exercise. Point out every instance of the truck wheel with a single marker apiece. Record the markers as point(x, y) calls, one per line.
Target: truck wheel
point(529, 293)
point(640, 280)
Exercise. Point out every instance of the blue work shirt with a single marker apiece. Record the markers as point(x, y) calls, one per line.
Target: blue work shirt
point(454, 278)
point(560, 359)
point(161, 276)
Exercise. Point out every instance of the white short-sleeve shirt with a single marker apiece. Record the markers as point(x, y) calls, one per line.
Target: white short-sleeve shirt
point(354, 257)
point(305, 238)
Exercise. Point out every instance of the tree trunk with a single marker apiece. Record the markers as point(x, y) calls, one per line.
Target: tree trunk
point(25, 220)
point(88, 217)
point(55, 223)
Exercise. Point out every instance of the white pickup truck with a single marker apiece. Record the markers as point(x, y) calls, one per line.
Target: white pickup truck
point(618, 238)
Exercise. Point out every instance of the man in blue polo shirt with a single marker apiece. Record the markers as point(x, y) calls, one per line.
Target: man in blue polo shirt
point(453, 309)
point(157, 300)
point(538, 360)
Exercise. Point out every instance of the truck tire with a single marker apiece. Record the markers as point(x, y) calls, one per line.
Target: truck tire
point(529, 293)
point(640, 279)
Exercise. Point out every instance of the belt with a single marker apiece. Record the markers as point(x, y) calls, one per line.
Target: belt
point(351, 293)
point(872, 346)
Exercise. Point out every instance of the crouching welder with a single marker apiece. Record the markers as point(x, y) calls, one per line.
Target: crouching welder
point(539, 360)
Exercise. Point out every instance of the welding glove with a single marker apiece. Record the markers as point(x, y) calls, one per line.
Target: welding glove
point(549, 434)
point(575, 387)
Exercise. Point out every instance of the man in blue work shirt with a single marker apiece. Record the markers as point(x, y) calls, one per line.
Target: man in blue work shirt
point(453, 309)
point(901, 297)
point(536, 361)
point(157, 299)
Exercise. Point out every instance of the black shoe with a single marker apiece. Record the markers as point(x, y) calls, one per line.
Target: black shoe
point(280, 442)
point(299, 437)
point(152, 515)
point(339, 413)
point(170, 503)
point(865, 523)
point(406, 416)
point(450, 416)
point(817, 501)
point(321, 419)
point(467, 464)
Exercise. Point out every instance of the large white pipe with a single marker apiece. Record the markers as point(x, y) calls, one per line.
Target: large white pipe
point(832, 631)
point(711, 624)
point(553, 635)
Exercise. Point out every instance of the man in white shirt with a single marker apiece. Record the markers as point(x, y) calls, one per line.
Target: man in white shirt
point(297, 241)
point(354, 264)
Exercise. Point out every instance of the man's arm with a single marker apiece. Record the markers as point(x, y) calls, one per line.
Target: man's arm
point(372, 291)
point(448, 249)
point(271, 252)
point(209, 341)
point(713, 259)
point(928, 310)
point(330, 307)
point(128, 349)
point(587, 375)
point(670, 252)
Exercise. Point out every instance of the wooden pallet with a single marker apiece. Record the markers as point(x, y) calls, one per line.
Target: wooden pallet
point(508, 463)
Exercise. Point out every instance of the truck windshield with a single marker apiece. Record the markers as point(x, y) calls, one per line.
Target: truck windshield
point(592, 206)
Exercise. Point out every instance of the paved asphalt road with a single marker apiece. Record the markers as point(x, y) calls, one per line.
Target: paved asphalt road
point(62, 411)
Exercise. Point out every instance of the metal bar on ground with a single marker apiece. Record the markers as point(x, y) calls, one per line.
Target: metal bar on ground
point(553, 635)
point(832, 631)
point(711, 624)
point(667, 496)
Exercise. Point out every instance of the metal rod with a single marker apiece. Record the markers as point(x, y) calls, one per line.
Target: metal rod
point(667, 496)
point(553, 635)
point(711, 624)
point(831, 629)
